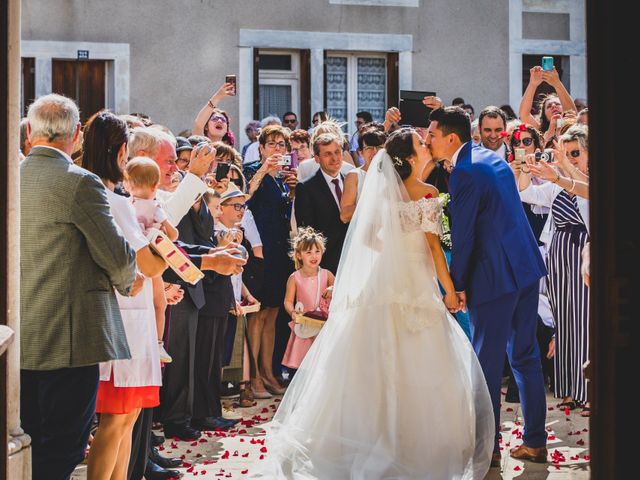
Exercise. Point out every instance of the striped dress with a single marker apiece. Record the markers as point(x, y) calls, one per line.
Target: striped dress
point(569, 298)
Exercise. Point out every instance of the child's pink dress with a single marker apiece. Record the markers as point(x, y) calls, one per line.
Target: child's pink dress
point(306, 293)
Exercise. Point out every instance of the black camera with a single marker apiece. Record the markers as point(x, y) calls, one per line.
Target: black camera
point(547, 156)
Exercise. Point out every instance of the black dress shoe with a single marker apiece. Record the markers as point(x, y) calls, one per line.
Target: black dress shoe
point(154, 472)
point(164, 462)
point(182, 432)
point(211, 423)
point(156, 440)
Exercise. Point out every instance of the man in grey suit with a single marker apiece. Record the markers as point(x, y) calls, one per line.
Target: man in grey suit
point(72, 256)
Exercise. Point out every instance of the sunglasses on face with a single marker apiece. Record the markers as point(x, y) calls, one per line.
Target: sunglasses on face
point(525, 141)
point(574, 153)
point(218, 118)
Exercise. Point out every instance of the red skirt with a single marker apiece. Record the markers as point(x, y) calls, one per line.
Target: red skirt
point(120, 400)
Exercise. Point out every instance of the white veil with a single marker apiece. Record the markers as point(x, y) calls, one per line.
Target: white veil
point(391, 387)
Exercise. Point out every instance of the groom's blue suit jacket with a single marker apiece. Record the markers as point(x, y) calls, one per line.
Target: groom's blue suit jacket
point(494, 251)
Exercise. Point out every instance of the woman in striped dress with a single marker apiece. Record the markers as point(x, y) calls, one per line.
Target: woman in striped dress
point(566, 192)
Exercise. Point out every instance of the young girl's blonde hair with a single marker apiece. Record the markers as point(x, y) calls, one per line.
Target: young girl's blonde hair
point(306, 238)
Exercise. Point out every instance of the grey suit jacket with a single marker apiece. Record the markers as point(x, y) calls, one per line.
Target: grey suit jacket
point(72, 255)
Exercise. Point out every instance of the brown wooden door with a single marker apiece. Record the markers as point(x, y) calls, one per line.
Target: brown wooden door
point(28, 83)
point(82, 80)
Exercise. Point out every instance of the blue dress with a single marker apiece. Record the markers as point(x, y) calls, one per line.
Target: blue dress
point(271, 208)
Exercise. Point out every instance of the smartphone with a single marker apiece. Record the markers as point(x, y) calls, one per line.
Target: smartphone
point(294, 160)
point(547, 63)
point(231, 79)
point(222, 171)
point(519, 155)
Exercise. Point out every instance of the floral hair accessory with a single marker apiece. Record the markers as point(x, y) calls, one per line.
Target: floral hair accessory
point(521, 128)
point(397, 161)
point(504, 134)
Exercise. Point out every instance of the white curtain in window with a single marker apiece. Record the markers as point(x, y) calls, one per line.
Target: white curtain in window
point(372, 87)
point(274, 100)
point(337, 88)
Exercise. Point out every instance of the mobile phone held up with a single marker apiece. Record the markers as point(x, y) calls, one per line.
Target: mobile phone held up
point(222, 171)
point(231, 79)
point(547, 63)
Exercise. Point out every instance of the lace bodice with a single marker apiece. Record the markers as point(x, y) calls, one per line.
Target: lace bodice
point(422, 215)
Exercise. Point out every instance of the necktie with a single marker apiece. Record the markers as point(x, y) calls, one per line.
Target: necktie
point(336, 184)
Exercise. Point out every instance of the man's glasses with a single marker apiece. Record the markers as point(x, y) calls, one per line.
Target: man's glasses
point(289, 120)
point(574, 153)
point(218, 118)
point(238, 207)
point(525, 141)
point(276, 144)
point(300, 149)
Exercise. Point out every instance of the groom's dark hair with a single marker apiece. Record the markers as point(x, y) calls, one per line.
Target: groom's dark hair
point(453, 120)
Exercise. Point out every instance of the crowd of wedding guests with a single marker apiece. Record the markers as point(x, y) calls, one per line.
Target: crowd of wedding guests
point(114, 341)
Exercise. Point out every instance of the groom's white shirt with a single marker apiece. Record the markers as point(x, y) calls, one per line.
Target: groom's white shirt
point(454, 158)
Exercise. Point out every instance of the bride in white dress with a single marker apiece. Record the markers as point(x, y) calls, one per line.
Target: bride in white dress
point(391, 388)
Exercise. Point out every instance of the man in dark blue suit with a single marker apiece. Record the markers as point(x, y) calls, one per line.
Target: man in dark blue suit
point(496, 267)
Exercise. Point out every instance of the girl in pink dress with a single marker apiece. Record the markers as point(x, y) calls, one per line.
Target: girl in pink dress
point(310, 287)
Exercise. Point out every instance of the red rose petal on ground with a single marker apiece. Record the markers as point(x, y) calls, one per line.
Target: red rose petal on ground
point(509, 409)
point(570, 433)
point(587, 457)
point(198, 455)
point(265, 410)
point(190, 469)
point(242, 439)
point(182, 457)
point(188, 451)
point(235, 454)
point(225, 455)
point(263, 450)
point(203, 440)
point(242, 432)
point(194, 444)
point(186, 464)
point(261, 457)
point(507, 444)
point(245, 455)
point(161, 448)
point(517, 468)
point(277, 400)
point(549, 408)
point(548, 429)
point(244, 472)
point(228, 475)
point(580, 442)
point(567, 411)
point(575, 457)
point(585, 430)
point(551, 437)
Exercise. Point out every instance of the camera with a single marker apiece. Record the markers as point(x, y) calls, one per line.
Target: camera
point(547, 156)
point(285, 161)
point(202, 145)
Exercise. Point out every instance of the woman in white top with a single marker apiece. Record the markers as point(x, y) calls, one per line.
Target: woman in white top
point(370, 141)
point(126, 386)
point(565, 234)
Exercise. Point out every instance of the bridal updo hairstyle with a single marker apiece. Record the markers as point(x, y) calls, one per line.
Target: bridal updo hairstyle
point(399, 146)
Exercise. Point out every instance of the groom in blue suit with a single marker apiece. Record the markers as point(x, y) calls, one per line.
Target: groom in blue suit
point(496, 267)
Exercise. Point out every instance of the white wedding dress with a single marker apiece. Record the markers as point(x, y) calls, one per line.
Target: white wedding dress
point(391, 388)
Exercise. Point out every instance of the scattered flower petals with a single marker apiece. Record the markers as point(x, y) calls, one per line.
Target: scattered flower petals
point(517, 468)
point(580, 442)
point(551, 437)
point(261, 457)
point(244, 472)
point(263, 450)
point(245, 455)
point(509, 409)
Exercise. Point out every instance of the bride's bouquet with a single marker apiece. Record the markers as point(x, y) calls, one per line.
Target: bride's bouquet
point(445, 240)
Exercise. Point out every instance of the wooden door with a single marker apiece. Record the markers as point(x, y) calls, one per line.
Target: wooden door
point(82, 80)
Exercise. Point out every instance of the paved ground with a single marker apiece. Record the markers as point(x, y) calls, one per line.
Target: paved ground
point(233, 454)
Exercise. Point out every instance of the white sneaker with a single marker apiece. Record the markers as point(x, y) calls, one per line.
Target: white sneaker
point(164, 356)
point(230, 414)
